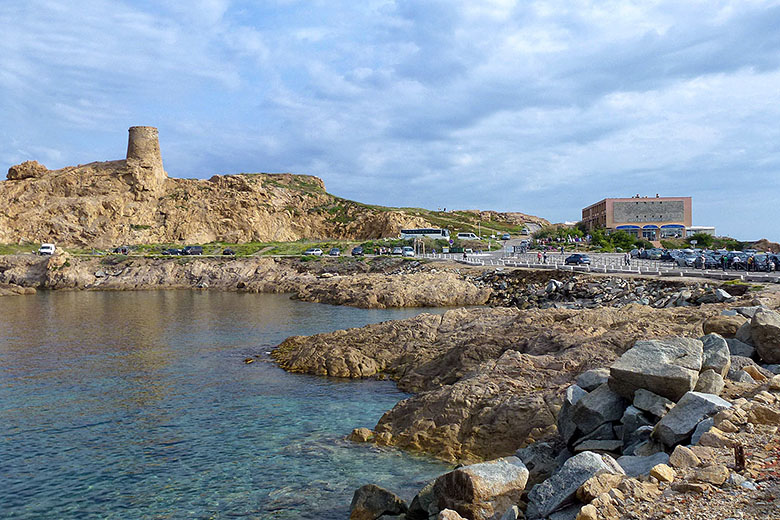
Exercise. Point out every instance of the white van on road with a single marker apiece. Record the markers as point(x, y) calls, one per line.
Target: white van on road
point(46, 249)
point(468, 236)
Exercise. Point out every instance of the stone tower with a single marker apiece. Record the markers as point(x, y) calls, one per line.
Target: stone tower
point(144, 158)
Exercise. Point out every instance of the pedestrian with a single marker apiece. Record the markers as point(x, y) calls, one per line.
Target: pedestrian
point(545, 257)
point(724, 260)
point(539, 257)
point(464, 255)
point(627, 259)
point(703, 262)
point(561, 249)
point(750, 263)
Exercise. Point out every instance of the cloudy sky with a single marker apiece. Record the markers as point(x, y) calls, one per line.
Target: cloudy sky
point(541, 107)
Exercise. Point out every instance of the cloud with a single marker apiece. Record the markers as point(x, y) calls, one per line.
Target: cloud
point(541, 106)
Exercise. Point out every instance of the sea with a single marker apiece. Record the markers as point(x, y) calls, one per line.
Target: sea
point(139, 405)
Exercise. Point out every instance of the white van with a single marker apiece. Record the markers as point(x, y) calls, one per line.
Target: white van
point(467, 236)
point(46, 249)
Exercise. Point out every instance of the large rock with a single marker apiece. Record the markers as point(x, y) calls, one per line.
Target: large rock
point(593, 379)
point(652, 403)
point(679, 423)
point(739, 348)
point(725, 326)
point(481, 491)
point(710, 382)
point(566, 424)
point(26, 170)
point(716, 355)
point(540, 458)
point(559, 490)
point(634, 465)
point(765, 332)
point(744, 333)
point(596, 408)
point(371, 501)
point(668, 367)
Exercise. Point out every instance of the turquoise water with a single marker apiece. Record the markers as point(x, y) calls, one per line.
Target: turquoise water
point(138, 405)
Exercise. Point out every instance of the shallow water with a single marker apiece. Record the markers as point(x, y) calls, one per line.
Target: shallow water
point(138, 405)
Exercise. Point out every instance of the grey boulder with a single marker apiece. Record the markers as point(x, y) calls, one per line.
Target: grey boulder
point(596, 408)
point(558, 491)
point(668, 367)
point(710, 382)
point(765, 333)
point(566, 426)
point(679, 423)
point(482, 491)
point(715, 354)
point(593, 379)
point(744, 334)
point(740, 348)
point(652, 403)
point(635, 466)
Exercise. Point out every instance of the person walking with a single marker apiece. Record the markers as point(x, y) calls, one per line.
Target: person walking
point(724, 260)
point(545, 257)
point(627, 259)
point(539, 257)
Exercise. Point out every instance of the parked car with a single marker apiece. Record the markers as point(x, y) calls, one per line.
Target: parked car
point(46, 249)
point(192, 250)
point(171, 251)
point(408, 251)
point(228, 252)
point(506, 236)
point(634, 253)
point(313, 251)
point(334, 251)
point(577, 259)
point(397, 251)
point(763, 262)
point(710, 262)
point(357, 251)
point(122, 250)
point(686, 260)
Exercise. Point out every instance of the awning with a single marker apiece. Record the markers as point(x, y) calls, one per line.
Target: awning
point(672, 226)
point(650, 226)
point(627, 227)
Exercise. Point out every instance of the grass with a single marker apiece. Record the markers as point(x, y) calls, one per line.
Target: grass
point(15, 249)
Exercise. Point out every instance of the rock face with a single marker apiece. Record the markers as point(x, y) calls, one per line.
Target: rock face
point(560, 489)
point(668, 367)
point(482, 491)
point(765, 332)
point(26, 170)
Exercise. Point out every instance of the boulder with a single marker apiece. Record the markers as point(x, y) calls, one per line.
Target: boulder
point(740, 348)
point(725, 326)
point(663, 473)
point(744, 334)
point(566, 425)
point(600, 445)
point(633, 419)
point(748, 312)
point(637, 438)
point(371, 501)
point(361, 435)
point(540, 458)
point(739, 364)
point(513, 513)
point(652, 403)
point(710, 382)
point(26, 170)
point(715, 354)
point(559, 490)
point(716, 474)
point(423, 505)
point(598, 485)
point(481, 491)
point(592, 379)
point(634, 465)
point(668, 367)
point(701, 428)
point(714, 438)
point(449, 514)
point(596, 408)
point(679, 423)
point(765, 333)
point(567, 513)
point(683, 457)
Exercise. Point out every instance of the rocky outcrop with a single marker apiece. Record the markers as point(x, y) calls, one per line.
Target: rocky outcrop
point(370, 502)
point(26, 170)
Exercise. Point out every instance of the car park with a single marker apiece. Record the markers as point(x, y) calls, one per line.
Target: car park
point(46, 249)
point(192, 250)
point(357, 251)
point(577, 259)
point(334, 251)
point(313, 251)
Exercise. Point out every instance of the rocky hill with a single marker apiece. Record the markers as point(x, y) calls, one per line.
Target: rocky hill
point(133, 201)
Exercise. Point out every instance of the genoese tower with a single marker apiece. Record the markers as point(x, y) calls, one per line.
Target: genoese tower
point(144, 158)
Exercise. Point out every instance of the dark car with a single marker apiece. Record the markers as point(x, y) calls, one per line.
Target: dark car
point(122, 250)
point(228, 252)
point(192, 250)
point(172, 251)
point(578, 259)
point(710, 262)
point(357, 251)
point(334, 251)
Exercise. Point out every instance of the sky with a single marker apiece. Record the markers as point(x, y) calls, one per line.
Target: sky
point(542, 107)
